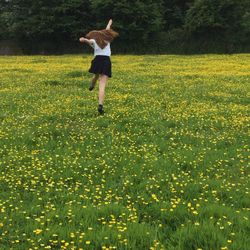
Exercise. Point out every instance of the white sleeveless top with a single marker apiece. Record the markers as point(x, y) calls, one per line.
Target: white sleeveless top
point(99, 51)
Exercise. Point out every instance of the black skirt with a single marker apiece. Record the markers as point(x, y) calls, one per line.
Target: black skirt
point(101, 65)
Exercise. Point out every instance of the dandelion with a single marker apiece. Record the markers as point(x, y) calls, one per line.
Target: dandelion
point(37, 231)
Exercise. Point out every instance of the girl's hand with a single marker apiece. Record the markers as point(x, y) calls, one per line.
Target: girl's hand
point(82, 40)
point(109, 24)
point(85, 40)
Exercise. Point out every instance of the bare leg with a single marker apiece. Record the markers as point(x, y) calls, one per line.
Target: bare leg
point(102, 85)
point(93, 82)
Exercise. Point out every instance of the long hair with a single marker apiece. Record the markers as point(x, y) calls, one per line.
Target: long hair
point(102, 37)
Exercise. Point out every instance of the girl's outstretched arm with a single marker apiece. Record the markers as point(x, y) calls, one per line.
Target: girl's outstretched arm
point(85, 40)
point(109, 24)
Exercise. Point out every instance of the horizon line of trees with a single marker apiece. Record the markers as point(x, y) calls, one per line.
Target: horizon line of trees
point(144, 26)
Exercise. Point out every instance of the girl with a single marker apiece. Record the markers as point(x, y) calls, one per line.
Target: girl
point(100, 41)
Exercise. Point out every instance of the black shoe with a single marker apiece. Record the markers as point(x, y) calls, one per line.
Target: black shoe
point(100, 109)
point(91, 86)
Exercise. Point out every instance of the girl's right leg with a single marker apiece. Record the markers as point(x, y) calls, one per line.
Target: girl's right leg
point(93, 82)
point(102, 86)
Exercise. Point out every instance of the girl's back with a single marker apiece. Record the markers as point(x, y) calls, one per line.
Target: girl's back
point(106, 51)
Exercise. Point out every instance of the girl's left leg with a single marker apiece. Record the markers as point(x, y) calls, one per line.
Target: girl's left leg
point(93, 82)
point(102, 86)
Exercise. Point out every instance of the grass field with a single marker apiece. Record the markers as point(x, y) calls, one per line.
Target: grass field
point(165, 168)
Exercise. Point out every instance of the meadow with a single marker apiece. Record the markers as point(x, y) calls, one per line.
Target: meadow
point(166, 167)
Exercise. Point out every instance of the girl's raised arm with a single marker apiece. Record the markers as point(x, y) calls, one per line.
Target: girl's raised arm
point(109, 24)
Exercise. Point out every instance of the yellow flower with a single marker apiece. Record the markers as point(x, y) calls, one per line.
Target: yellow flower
point(155, 197)
point(37, 231)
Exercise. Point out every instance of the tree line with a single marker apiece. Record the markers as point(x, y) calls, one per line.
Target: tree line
point(145, 26)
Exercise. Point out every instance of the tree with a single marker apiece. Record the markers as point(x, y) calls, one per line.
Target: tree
point(5, 17)
point(49, 19)
point(141, 23)
point(175, 12)
point(135, 20)
point(216, 17)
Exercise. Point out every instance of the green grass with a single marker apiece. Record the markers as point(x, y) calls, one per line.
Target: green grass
point(165, 168)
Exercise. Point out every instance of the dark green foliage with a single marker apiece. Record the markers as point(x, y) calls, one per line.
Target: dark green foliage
point(147, 26)
point(134, 19)
point(218, 19)
point(4, 19)
point(48, 19)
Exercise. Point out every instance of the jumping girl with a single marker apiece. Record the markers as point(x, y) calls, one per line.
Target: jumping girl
point(101, 65)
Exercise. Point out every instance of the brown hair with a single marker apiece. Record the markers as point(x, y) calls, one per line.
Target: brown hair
point(102, 37)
